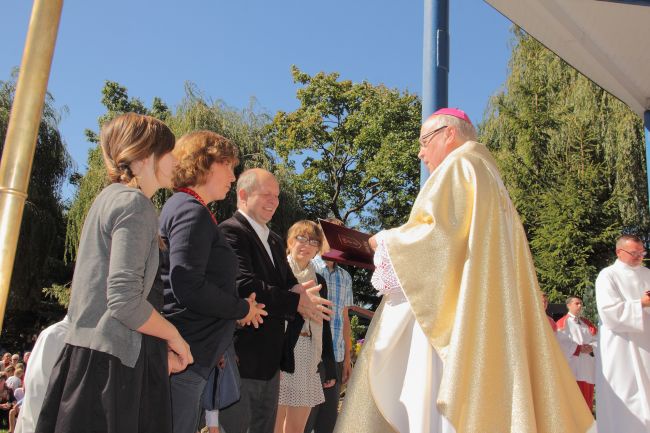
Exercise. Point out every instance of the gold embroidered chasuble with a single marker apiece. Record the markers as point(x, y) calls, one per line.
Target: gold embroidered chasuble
point(467, 272)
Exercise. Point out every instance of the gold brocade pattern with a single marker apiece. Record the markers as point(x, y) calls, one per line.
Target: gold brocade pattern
point(465, 266)
point(359, 412)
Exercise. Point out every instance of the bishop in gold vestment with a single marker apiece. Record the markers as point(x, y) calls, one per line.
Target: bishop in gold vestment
point(464, 344)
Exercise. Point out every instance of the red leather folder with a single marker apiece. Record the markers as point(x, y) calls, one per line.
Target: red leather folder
point(347, 246)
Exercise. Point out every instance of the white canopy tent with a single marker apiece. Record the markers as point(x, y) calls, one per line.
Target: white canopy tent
point(608, 41)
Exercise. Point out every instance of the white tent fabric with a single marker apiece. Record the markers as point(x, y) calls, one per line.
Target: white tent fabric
point(608, 41)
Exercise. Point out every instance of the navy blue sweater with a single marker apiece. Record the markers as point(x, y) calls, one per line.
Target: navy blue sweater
point(198, 271)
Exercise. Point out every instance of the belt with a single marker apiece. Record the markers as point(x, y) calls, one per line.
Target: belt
point(305, 334)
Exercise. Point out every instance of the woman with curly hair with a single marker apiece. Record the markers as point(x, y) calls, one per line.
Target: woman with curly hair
point(199, 267)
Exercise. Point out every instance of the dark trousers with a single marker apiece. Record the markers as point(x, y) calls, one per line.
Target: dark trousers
point(186, 390)
point(255, 412)
point(322, 418)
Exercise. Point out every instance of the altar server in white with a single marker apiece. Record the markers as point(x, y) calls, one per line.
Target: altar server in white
point(623, 353)
point(582, 339)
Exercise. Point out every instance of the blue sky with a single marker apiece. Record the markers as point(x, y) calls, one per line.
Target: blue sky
point(237, 50)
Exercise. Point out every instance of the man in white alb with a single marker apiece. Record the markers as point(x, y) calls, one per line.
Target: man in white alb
point(623, 352)
point(581, 335)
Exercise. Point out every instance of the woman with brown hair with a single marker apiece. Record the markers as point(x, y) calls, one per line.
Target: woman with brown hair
point(199, 267)
point(112, 373)
point(308, 342)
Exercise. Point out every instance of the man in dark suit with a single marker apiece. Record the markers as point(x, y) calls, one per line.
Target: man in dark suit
point(263, 269)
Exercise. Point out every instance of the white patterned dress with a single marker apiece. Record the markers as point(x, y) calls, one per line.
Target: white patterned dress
point(303, 387)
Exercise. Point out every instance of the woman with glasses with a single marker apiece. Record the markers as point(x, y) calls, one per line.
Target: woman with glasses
point(308, 343)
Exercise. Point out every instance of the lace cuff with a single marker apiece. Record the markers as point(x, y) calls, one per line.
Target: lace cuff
point(384, 279)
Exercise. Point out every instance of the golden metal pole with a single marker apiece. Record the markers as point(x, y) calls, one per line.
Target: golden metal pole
point(22, 131)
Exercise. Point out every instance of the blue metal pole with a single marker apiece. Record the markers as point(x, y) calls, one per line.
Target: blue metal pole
point(646, 122)
point(435, 62)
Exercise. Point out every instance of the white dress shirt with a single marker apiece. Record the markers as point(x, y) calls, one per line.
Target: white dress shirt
point(262, 232)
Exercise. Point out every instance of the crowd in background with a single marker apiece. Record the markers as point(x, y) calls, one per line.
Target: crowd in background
point(12, 372)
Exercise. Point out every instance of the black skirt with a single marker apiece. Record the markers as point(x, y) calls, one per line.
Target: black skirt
point(92, 391)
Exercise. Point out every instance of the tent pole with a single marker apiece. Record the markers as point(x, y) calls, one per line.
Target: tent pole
point(22, 132)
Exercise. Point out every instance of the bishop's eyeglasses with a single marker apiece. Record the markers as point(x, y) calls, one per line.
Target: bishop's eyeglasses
point(429, 135)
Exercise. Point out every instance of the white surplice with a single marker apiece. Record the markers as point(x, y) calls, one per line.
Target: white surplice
point(623, 354)
point(567, 346)
point(583, 365)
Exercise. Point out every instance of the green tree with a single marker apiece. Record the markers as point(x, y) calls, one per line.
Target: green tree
point(572, 158)
point(356, 145)
point(40, 246)
point(116, 100)
point(245, 127)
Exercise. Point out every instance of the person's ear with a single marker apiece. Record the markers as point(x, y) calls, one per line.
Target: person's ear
point(242, 195)
point(451, 133)
point(137, 166)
